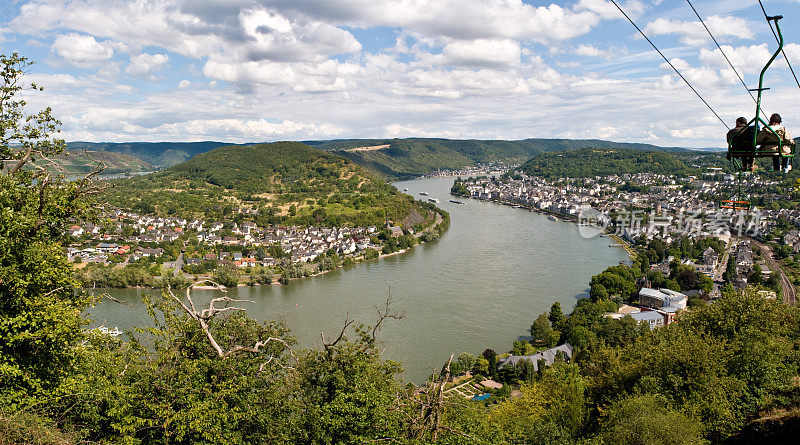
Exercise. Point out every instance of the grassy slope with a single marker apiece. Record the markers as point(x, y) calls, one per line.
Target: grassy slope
point(325, 188)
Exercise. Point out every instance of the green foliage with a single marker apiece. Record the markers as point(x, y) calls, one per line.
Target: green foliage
point(521, 347)
point(591, 162)
point(40, 303)
point(227, 275)
point(406, 158)
point(543, 333)
point(646, 420)
point(458, 188)
point(24, 428)
point(556, 315)
point(279, 180)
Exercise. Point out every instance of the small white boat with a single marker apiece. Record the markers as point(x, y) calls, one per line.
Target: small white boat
point(552, 218)
point(433, 200)
point(423, 193)
point(405, 190)
point(114, 332)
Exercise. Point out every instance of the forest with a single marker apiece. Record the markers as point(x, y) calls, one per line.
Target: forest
point(591, 162)
point(278, 183)
point(407, 158)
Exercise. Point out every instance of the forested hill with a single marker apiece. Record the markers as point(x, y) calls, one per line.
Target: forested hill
point(590, 162)
point(286, 182)
point(402, 158)
point(394, 158)
point(160, 154)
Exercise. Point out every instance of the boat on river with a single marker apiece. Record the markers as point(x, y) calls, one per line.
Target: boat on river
point(455, 201)
point(433, 200)
point(552, 218)
point(423, 193)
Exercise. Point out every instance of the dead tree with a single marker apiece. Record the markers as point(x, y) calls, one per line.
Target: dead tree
point(203, 317)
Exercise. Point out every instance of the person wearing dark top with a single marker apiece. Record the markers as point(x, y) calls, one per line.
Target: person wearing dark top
point(740, 138)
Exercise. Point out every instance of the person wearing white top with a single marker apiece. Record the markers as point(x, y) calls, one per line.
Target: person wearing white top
point(770, 140)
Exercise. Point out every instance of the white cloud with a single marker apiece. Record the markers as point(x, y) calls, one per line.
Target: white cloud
point(456, 19)
point(607, 10)
point(81, 51)
point(588, 50)
point(693, 33)
point(183, 84)
point(479, 53)
point(145, 64)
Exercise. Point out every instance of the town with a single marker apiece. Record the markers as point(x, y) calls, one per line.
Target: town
point(638, 208)
point(171, 246)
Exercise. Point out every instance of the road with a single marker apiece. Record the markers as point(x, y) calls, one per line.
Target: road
point(178, 265)
point(723, 263)
point(789, 295)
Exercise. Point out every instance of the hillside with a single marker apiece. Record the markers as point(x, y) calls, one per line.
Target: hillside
point(83, 161)
point(590, 162)
point(393, 158)
point(286, 182)
point(404, 158)
point(159, 154)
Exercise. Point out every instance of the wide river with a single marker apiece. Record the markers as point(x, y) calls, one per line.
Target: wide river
point(480, 286)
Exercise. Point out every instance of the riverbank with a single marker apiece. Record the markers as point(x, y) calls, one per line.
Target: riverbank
point(625, 245)
point(494, 267)
point(118, 276)
point(558, 216)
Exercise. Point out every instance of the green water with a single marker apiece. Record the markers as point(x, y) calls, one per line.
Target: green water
point(480, 286)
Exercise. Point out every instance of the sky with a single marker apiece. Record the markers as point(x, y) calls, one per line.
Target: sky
point(269, 70)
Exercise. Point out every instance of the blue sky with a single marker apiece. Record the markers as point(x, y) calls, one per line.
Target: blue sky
point(247, 70)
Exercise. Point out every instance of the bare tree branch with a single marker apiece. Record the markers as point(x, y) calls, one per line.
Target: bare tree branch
point(384, 313)
point(202, 318)
point(347, 322)
point(107, 295)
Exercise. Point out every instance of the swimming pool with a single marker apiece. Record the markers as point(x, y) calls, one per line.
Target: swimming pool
point(482, 396)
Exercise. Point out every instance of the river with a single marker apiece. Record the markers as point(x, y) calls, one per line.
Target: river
point(480, 286)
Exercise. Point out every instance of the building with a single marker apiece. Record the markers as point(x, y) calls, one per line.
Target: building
point(662, 298)
point(652, 318)
point(548, 355)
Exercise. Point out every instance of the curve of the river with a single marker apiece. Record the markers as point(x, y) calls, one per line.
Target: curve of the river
point(480, 286)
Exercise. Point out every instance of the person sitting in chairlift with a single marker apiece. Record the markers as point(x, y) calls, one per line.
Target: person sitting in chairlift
point(740, 139)
point(770, 140)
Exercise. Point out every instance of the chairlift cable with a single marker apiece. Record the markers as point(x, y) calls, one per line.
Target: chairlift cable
point(776, 38)
point(735, 71)
point(669, 63)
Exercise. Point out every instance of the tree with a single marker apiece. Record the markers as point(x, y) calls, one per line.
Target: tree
point(556, 316)
point(521, 347)
point(466, 361)
point(755, 276)
point(647, 419)
point(542, 331)
point(598, 292)
point(40, 302)
point(491, 358)
point(227, 275)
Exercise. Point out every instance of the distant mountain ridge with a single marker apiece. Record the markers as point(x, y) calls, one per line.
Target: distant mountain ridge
point(393, 158)
point(159, 154)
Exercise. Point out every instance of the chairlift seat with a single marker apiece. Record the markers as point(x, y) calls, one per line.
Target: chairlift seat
point(742, 144)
